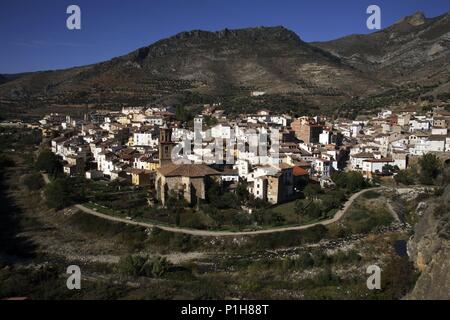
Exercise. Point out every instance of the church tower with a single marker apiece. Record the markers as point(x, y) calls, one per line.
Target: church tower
point(165, 146)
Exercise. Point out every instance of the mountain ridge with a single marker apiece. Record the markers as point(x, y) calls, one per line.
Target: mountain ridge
point(404, 52)
point(272, 59)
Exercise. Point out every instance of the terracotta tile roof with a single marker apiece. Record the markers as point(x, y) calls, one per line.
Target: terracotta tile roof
point(187, 170)
point(379, 160)
point(362, 155)
point(300, 172)
point(138, 171)
point(303, 164)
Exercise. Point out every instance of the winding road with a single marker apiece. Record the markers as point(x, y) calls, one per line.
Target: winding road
point(206, 233)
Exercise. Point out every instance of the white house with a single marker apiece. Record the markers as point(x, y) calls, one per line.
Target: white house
point(325, 137)
point(322, 167)
point(371, 166)
point(221, 132)
point(243, 167)
point(356, 160)
point(415, 125)
point(434, 143)
point(148, 138)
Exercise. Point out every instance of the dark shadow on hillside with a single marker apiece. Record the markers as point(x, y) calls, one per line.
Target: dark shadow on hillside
point(12, 246)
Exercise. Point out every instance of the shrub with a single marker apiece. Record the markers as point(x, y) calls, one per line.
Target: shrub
point(33, 181)
point(371, 194)
point(352, 181)
point(49, 162)
point(405, 177)
point(430, 168)
point(5, 161)
point(136, 266)
point(312, 190)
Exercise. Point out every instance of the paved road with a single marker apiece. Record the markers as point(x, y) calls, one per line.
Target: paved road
point(206, 233)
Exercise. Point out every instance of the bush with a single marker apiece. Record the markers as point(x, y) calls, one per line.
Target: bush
point(49, 162)
point(303, 261)
point(352, 181)
point(269, 217)
point(241, 219)
point(33, 181)
point(143, 266)
point(371, 194)
point(399, 277)
point(313, 211)
point(361, 221)
point(430, 168)
point(57, 194)
point(63, 192)
point(5, 161)
point(227, 201)
point(315, 233)
point(405, 177)
point(312, 190)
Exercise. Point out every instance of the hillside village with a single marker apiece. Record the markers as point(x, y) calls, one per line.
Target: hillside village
point(135, 145)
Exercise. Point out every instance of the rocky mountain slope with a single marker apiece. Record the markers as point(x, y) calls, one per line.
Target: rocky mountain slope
point(414, 49)
point(430, 249)
point(271, 59)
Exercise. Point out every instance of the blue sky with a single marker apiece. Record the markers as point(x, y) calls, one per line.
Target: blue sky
point(33, 34)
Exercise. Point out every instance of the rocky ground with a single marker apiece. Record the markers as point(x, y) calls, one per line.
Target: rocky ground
point(429, 248)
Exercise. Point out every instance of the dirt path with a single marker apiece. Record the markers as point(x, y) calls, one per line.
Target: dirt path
point(206, 233)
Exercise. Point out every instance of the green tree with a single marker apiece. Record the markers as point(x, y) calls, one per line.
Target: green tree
point(404, 177)
point(227, 201)
point(57, 194)
point(143, 266)
point(176, 205)
point(33, 181)
point(312, 190)
point(160, 266)
point(214, 192)
point(387, 169)
point(183, 114)
point(329, 202)
point(352, 181)
point(210, 121)
point(430, 168)
point(300, 207)
point(242, 192)
point(49, 162)
point(313, 210)
point(355, 181)
point(131, 265)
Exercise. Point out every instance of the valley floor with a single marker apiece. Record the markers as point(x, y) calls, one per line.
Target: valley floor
point(321, 262)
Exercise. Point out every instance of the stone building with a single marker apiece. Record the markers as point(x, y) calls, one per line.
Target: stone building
point(307, 130)
point(188, 181)
point(165, 146)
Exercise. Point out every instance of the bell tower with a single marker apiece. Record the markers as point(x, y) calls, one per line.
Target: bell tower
point(165, 146)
